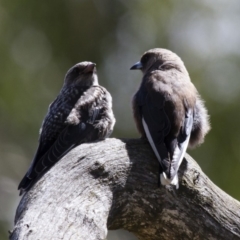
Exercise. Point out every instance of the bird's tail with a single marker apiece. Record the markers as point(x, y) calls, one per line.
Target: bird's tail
point(169, 181)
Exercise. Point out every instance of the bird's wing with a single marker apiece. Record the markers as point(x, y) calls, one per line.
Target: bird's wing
point(156, 124)
point(67, 134)
point(54, 122)
point(182, 143)
point(70, 137)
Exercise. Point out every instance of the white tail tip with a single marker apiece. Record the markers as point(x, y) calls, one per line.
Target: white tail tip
point(167, 181)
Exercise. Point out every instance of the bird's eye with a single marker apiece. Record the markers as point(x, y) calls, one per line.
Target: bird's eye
point(144, 58)
point(166, 67)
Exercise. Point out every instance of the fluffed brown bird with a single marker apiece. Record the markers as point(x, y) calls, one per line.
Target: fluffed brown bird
point(168, 110)
point(82, 112)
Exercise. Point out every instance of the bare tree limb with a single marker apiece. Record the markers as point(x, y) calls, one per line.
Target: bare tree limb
point(113, 184)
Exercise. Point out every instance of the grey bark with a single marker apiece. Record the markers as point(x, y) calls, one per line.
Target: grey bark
point(113, 184)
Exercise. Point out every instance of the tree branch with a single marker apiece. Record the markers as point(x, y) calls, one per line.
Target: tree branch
point(113, 184)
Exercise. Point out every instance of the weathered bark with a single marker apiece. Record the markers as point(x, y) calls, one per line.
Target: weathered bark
point(113, 184)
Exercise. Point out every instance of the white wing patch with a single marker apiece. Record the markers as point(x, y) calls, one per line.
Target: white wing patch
point(149, 137)
point(178, 155)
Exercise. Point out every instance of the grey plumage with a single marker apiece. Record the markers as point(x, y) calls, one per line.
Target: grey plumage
point(82, 112)
point(168, 110)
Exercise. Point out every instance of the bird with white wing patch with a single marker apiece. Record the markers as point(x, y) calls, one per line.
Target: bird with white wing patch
point(168, 110)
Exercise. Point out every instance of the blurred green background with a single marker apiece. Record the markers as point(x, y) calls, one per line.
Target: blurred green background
point(41, 40)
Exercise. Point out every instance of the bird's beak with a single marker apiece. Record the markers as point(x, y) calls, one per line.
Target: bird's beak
point(89, 67)
point(137, 65)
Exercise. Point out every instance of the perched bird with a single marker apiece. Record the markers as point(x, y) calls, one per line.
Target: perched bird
point(168, 110)
point(82, 112)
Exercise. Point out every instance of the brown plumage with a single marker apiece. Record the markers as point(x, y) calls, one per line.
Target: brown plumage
point(82, 112)
point(168, 110)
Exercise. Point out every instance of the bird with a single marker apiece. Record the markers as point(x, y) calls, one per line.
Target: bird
point(168, 110)
point(81, 113)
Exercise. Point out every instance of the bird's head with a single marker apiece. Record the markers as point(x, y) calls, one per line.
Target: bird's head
point(82, 74)
point(159, 59)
